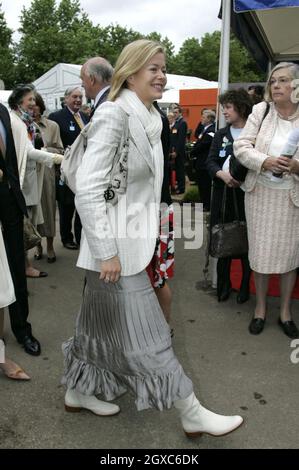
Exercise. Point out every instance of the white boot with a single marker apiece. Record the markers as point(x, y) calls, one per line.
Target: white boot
point(75, 401)
point(197, 420)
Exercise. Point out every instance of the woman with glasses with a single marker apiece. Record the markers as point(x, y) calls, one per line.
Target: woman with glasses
point(272, 193)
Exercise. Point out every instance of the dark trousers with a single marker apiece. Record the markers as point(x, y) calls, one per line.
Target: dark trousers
point(66, 207)
point(204, 184)
point(223, 274)
point(12, 222)
point(180, 172)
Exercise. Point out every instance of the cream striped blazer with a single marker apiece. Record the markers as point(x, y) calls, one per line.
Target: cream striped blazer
point(130, 228)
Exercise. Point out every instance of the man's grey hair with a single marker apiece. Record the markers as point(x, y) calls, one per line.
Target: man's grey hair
point(70, 90)
point(100, 69)
point(210, 114)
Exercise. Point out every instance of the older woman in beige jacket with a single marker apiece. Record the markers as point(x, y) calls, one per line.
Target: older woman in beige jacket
point(272, 203)
point(30, 160)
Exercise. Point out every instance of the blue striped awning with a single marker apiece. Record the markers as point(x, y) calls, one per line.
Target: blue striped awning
point(248, 5)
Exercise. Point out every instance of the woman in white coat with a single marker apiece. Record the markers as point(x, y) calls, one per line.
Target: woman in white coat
point(122, 340)
point(7, 297)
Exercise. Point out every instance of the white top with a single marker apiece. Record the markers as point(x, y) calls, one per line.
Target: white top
point(235, 132)
point(280, 137)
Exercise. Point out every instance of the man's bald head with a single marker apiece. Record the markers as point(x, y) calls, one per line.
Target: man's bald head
point(95, 74)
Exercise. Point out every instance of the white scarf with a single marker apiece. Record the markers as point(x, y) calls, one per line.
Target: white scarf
point(151, 123)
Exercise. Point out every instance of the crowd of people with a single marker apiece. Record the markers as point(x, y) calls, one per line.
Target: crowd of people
point(122, 338)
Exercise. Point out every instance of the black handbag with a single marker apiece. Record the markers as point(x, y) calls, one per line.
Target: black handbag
point(229, 240)
point(236, 169)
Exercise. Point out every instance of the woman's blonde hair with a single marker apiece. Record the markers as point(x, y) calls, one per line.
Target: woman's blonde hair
point(132, 58)
point(294, 72)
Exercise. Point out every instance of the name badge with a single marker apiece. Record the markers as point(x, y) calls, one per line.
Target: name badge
point(174, 131)
point(222, 153)
point(72, 126)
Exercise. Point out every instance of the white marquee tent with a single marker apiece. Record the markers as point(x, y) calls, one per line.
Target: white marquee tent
point(4, 94)
point(53, 84)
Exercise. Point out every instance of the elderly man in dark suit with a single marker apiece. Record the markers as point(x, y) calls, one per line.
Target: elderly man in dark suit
point(96, 76)
point(12, 211)
point(177, 146)
point(201, 151)
point(70, 121)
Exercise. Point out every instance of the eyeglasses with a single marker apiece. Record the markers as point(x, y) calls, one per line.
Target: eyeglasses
point(280, 81)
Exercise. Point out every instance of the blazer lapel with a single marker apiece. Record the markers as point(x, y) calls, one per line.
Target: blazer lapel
point(4, 119)
point(141, 141)
point(9, 138)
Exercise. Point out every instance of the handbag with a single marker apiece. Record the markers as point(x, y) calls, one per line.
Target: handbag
point(229, 240)
point(31, 236)
point(236, 169)
point(73, 156)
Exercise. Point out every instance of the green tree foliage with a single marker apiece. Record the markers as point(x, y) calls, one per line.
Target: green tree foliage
point(7, 68)
point(51, 34)
point(112, 39)
point(201, 59)
point(186, 61)
point(168, 46)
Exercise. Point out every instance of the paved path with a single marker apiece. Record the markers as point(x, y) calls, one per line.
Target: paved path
point(233, 372)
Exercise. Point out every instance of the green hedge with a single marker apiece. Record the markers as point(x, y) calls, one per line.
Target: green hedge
point(192, 194)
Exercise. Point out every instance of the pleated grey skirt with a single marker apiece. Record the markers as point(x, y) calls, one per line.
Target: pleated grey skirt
point(122, 342)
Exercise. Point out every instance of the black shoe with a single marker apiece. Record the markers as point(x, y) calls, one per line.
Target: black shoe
point(256, 326)
point(224, 295)
point(51, 259)
point(31, 345)
point(71, 246)
point(242, 296)
point(289, 328)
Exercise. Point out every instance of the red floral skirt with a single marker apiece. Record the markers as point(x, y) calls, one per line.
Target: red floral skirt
point(161, 266)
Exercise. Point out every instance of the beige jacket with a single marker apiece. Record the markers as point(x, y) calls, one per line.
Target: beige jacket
point(252, 146)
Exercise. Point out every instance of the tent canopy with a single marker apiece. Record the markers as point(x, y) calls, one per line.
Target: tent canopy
point(268, 29)
point(52, 84)
point(4, 95)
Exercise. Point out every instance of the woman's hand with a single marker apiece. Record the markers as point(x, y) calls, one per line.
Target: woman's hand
point(57, 158)
point(290, 165)
point(271, 164)
point(110, 269)
point(281, 165)
point(227, 178)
